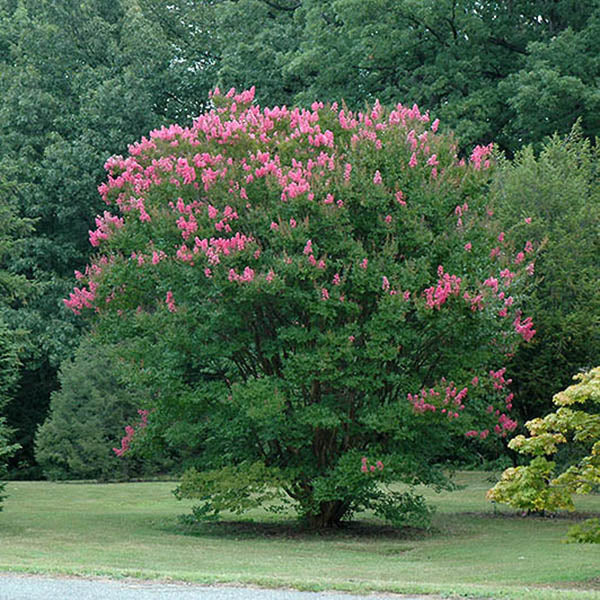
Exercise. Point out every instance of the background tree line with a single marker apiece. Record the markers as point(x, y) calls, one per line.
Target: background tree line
point(79, 81)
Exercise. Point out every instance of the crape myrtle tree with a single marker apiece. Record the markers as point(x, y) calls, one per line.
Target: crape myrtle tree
point(319, 301)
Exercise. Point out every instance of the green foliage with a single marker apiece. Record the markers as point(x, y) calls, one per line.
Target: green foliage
point(587, 532)
point(8, 373)
point(78, 81)
point(486, 70)
point(559, 191)
point(86, 420)
point(512, 73)
point(540, 485)
point(557, 78)
point(12, 288)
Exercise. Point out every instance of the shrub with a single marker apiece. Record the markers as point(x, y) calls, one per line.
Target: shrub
point(541, 486)
point(555, 197)
point(86, 420)
point(320, 301)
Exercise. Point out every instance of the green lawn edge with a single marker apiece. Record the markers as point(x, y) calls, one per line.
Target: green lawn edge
point(466, 591)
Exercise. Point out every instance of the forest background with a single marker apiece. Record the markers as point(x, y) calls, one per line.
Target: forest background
point(79, 81)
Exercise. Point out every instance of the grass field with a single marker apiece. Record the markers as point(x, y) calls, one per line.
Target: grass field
point(132, 529)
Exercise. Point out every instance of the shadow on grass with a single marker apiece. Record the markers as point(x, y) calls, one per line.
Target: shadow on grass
point(290, 529)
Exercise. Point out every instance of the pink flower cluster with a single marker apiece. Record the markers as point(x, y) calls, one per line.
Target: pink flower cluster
point(477, 434)
point(130, 432)
point(81, 298)
point(524, 328)
point(215, 247)
point(84, 297)
point(170, 302)
point(447, 285)
point(308, 251)
point(498, 379)
point(479, 154)
point(366, 468)
point(245, 277)
point(105, 225)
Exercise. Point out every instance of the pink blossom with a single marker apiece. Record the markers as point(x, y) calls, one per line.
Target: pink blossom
point(385, 285)
point(501, 236)
point(478, 154)
point(347, 171)
point(524, 328)
point(377, 178)
point(530, 268)
point(519, 258)
point(293, 223)
point(364, 263)
point(413, 161)
point(388, 219)
point(435, 125)
point(336, 279)
point(447, 285)
point(528, 220)
point(324, 294)
point(308, 248)
point(399, 198)
point(105, 226)
point(528, 247)
point(157, 256)
point(247, 275)
point(170, 302)
point(468, 246)
point(274, 226)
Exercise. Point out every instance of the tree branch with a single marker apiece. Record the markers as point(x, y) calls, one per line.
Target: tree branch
point(278, 6)
point(502, 42)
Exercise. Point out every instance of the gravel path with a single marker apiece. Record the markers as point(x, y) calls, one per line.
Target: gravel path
point(34, 587)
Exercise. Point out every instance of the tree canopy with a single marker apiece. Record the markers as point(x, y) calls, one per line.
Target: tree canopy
point(303, 288)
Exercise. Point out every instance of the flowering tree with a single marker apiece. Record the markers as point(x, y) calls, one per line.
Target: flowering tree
point(319, 301)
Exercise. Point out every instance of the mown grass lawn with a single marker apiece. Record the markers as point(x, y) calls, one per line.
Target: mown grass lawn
point(132, 529)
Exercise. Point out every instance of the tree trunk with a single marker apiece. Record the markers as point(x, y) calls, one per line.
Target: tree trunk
point(330, 515)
